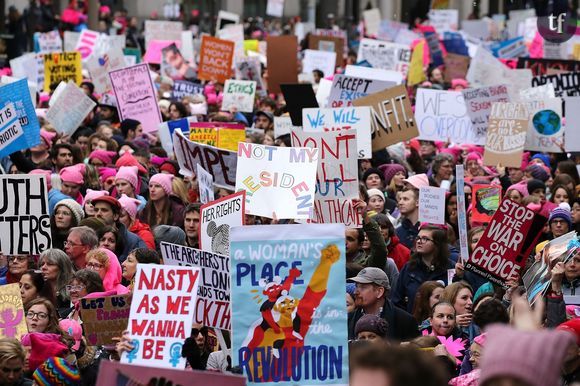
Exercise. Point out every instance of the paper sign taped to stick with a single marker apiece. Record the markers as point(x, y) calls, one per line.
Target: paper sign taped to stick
point(70, 109)
point(216, 220)
point(432, 205)
point(105, 318)
point(12, 318)
point(506, 135)
point(62, 67)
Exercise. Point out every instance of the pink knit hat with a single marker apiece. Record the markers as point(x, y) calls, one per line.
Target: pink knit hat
point(106, 173)
point(113, 276)
point(164, 180)
point(104, 156)
point(130, 205)
point(521, 187)
point(47, 137)
point(73, 174)
point(129, 174)
point(459, 82)
point(127, 159)
point(92, 194)
point(418, 180)
point(46, 173)
point(473, 156)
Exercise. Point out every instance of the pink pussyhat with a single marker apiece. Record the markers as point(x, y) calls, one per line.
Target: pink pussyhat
point(129, 174)
point(164, 180)
point(92, 194)
point(130, 205)
point(72, 174)
point(46, 173)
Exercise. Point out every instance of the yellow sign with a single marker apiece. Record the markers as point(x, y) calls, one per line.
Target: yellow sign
point(251, 45)
point(220, 137)
point(62, 66)
point(203, 135)
point(576, 52)
point(12, 318)
point(229, 138)
point(416, 74)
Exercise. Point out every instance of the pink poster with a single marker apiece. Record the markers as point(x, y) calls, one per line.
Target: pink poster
point(136, 96)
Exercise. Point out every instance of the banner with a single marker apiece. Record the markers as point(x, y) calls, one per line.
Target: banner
point(565, 84)
point(70, 109)
point(346, 118)
point(385, 55)
point(278, 180)
point(506, 244)
point(216, 218)
point(220, 163)
point(239, 94)
point(432, 205)
point(205, 185)
point(506, 135)
point(479, 102)
point(223, 135)
point(18, 94)
point(24, 217)
point(100, 65)
point(337, 175)
point(62, 67)
point(162, 30)
point(319, 60)
point(215, 59)
point(296, 272)
point(10, 128)
point(545, 130)
point(136, 96)
point(392, 117)
point(12, 318)
point(161, 316)
point(48, 42)
point(105, 318)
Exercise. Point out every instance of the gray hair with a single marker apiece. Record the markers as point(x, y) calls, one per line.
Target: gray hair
point(65, 268)
point(87, 235)
point(439, 159)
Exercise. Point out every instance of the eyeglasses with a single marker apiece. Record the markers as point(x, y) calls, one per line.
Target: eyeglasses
point(74, 288)
point(39, 315)
point(94, 266)
point(424, 239)
point(17, 258)
point(66, 242)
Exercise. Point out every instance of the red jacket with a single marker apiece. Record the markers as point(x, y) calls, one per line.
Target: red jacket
point(144, 231)
point(398, 252)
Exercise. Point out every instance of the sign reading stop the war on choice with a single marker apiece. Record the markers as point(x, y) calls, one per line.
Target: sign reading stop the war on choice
point(506, 244)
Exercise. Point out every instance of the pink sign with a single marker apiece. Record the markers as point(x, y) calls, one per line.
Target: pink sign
point(136, 96)
point(87, 43)
point(153, 53)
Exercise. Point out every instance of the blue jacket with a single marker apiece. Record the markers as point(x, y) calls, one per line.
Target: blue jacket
point(407, 232)
point(132, 241)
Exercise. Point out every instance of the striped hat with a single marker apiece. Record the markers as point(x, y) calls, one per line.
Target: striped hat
point(56, 371)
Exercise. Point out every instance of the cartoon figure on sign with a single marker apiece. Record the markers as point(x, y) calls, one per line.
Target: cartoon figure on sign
point(546, 122)
point(220, 238)
point(487, 200)
point(9, 322)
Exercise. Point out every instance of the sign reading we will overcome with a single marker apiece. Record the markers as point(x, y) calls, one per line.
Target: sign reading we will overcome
point(216, 220)
point(504, 248)
point(295, 272)
point(212, 307)
point(24, 217)
point(161, 316)
point(278, 180)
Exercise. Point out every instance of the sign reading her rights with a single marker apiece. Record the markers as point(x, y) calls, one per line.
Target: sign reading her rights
point(240, 95)
point(277, 180)
point(506, 135)
point(24, 217)
point(215, 61)
point(545, 130)
point(212, 307)
point(287, 304)
point(62, 66)
point(105, 318)
point(161, 316)
point(504, 248)
point(392, 119)
point(216, 220)
point(12, 320)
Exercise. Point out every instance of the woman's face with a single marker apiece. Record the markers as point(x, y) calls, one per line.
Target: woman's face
point(108, 241)
point(367, 335)
point(156, 192)
point(560, 195)
point(445, 170)
point(222, 193)
point(49, 270)
point(17, 265)
point(63, 217)
point(463, 302)
point(475, 357)
point(349, 303)
point(28, 291)
point(268, 140)
point(435, 296)
point(443, 320)
point(475, 239)
point(452, 205)
point(124, 187)
point(374, 181)
point(572, 268)
point(76, 291)
point(37, 318)
point(173, 112)
point(425, 244)
point(129, 267)
point(125, 219)
point(89, 209)
point(436, 76)
point(515, 196)
point(95, 265)
point(473, 167)
point(398, 178)
point(101, 145)
point(377, 204)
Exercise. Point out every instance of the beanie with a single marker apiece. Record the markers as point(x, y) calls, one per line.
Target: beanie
point(72, 174)
point(47, 137)
point(459, 82)
point(56, 372)
point(389, 171)
point(563, 212)
point(94, 223)
point(418, 180)
point(375, 192)
point(535, 185)
point(370, 171)
point(74, 207)
point(169, 234)
point(371, 323)
point(106, 173)
point(533, 357)
point(127, 159)
point(473, 156)
point(104, 156)
point(74, 330)
point(47, 175)
point(164, 180)
point(130, 205)
point(92, 194)
point(572, 326)
point(350, 288)
point(521, 187)
point(129, 174)
point(542, 157)
point(44, 346)
point(538, 172)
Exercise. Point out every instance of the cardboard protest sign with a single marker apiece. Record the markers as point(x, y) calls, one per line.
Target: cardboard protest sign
point(479, 101)
point(216, 220)
point(62, 67)
point(277, 180)
point(392, 119)
point(572, 132)
point(162, 30)
point(249, 69)
point(444, 19)
point(346, 118)
point(70, 109)
point(541, 66)
point(506, 135)
point(545, 130)
point(336, 176)
point(345, 89)
point(306, 261)
point(164, 298)
point(485, 201)
point(100, 65)
point(10, 128)
point(280, 68)
point(432, 205)
point(136, 96)
point(12, 318)
point(319, 60)
point(223, 135)
point(216, 58)
point(328, 43)
point(48, 42)
point(212, 307)
point(220, 163)
point(565, 84)
point(385, 55)
point(104, 318)
point(239, 94)
point(298, 97)
point(506, 244)
point(86, 43)
point(456, 66)
point(205, 185)
point(18, 94)
point(24, 216)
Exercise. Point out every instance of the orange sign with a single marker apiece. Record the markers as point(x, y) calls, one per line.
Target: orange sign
point(215, 61)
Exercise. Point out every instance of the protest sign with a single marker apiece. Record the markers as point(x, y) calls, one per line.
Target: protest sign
point(345, 118)
point(216, 218)
point(506, 135)
point(282, 125)
point(12, 319)
point(280, 69)
point(161, 315)
point(545, 130)
point(70, 40)
point(435, 52)
point(275, 8)
point(479, 101)
point(572, 132)
point(18, 94)
point(167, 128)
point(215, 61)
point(444, 19)
point(24, 216)
point(162, 30)
point(538, 92)
point(541, 66)
point(62, 67)
point(116, 373)
point(27, 66)
point(345, 89)
point(298, 97)
point(205, 185)
point(136, 96)
point(182, 88)
point(565, 84)
point(329, 43)
point(307, 262)
point(10, 128)
point(385, 55)
point(319, 60)
point(249, 69)
point(223, 135)
point(278, 180)
point(86, 43)
point(104, 318)
point(100, 65)
point(372, 20)
point(392, 118)
point(69, 109)
point(432, 205)
point(323, 91)
point(442, 116)
point(239, 94)
point(225, 18)
point(456, 66)
point(234, 33)
point(220, 163)
point(336, 176)
point(461, 212)
point(154, 53)
point(508, 49)
point(374, 73)
point(485, 201)
point(505, 246)
point(416, 73)
point(48, 42)
point(212, 307)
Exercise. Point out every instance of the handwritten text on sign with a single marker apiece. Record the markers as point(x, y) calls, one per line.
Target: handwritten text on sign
point(105, 318)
